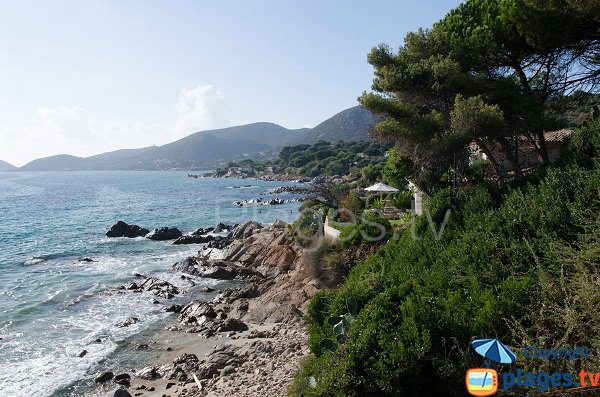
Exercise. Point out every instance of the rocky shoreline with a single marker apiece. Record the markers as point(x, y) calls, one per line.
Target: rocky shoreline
point(247, 341)
point(275, 177)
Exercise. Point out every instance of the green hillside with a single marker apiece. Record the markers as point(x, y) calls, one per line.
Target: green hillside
point(348, 125)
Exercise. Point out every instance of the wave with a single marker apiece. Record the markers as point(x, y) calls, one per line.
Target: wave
point(36, 260)
point(243, 187)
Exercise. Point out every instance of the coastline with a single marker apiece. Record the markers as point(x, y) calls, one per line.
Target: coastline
point(247, 340)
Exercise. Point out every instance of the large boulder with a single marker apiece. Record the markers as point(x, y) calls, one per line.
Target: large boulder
point(219, 273)
point(214, 268)
point(189, 266)
point(122, 229)
point(193, 239)
point(232, 324)
point(245, 230)
point(159, 287)
point(164, 233)
point(104, 377)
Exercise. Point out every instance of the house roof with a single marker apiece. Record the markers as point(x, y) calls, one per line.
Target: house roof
point(557, 136)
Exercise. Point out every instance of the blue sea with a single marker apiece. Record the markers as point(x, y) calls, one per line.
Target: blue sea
point(52, 305)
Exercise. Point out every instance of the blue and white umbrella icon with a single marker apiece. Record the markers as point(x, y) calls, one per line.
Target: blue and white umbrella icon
point(494, 350)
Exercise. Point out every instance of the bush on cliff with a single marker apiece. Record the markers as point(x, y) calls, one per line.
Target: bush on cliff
point(519, 265)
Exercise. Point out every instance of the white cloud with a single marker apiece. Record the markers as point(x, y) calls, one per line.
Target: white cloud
point(69, 122)
point(201, 108)
point(76, 130)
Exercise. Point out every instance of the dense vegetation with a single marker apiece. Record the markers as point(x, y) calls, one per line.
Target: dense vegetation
point(325, 158)
point(521, 264)
point(348, 125)
point(518, 258)
point(489, 72)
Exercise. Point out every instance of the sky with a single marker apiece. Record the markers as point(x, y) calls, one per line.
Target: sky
point(83, 77)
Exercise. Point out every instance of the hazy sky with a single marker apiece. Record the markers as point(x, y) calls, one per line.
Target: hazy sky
point(87, 76)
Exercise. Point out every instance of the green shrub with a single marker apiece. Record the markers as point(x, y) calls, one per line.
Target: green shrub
point(371, 228)
point(517, 266)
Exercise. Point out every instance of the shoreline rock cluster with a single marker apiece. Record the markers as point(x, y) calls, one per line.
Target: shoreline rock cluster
point(199, 236)
point(262, 320)
point(260, 201)
point(293, 190)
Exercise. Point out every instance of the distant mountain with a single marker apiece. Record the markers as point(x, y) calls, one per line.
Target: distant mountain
point(117, 160)
point(4, 166)
point(61, 162)
point(209, 148)
point(348, 125)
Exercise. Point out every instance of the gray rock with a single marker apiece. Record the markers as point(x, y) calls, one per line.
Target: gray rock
point(122, 393)
point(202, 231)
point(82, 353)
point(160, 288)
point(221, 227)
point(128, 322)
point(219, 273)
point(104, 377)
point(122, 229)
point(233, 324)
point(279, 224)
point(227, 370)
point(123, 379)
point(245, 230)
point(189, 265)
point(193, 240)
point(164, 233)
point(186, 358)
point(149, 373)
point(174, 309)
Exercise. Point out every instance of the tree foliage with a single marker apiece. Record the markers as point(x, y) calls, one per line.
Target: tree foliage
point(516, 264)
point(506, 53)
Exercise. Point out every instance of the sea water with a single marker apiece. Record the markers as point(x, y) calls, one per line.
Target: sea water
point(53, 304)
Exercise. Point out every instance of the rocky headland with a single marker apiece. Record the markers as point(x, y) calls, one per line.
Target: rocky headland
point(247, 340)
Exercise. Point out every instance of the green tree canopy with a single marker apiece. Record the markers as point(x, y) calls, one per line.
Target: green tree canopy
point(506, 53)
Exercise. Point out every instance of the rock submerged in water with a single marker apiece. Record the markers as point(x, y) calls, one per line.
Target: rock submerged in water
point(128, 322)
point(193, 239)
point(202, 231)
point(122, 229)
point(221, 227)
point(164, 233)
